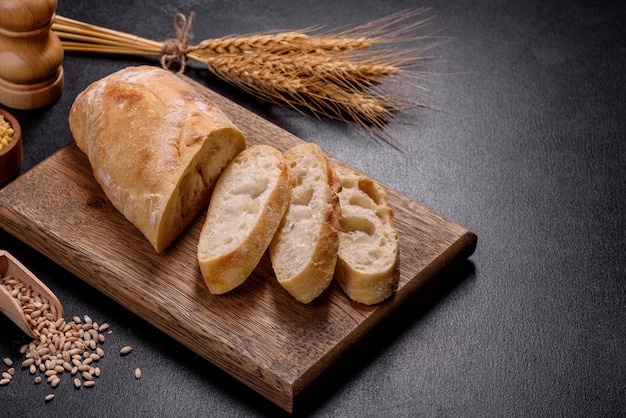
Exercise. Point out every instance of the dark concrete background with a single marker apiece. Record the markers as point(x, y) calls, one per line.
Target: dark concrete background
point(525, 148)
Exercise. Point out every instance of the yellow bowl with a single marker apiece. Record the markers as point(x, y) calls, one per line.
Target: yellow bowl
point(12, 155)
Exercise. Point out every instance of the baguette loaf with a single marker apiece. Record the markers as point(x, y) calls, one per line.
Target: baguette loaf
point(304, 249)
point(156, 147)
point(367, 262)
point(248, 203)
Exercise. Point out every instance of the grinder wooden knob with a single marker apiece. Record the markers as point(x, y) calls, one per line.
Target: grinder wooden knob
point(31, 54)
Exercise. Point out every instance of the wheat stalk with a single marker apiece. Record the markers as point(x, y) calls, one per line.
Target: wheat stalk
point(341, 75)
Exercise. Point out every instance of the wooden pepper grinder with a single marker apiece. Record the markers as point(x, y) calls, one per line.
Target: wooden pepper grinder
point(31, 54)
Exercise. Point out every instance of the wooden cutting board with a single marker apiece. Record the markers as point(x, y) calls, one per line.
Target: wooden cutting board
point(257, 333)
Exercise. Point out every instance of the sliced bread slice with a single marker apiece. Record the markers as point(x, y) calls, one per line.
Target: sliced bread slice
point(304, 249)
point(367, 261)
point(247, 205)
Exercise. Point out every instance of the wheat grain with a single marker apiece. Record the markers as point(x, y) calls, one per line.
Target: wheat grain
point(279, 43)
point(60, 346)
point(249, 75)
point(242, 44)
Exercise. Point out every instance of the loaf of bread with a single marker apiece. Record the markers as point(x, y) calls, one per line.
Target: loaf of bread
point(304, 249)
point(367, 261)
point(156, 147)
point(247, 205)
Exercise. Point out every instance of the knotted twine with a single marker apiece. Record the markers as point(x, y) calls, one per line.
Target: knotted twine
point(175, 50)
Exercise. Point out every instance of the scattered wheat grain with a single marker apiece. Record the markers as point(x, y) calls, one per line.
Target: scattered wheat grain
point(59, 346)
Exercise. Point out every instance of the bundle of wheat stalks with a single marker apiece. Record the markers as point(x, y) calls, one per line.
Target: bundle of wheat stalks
point(349, 75)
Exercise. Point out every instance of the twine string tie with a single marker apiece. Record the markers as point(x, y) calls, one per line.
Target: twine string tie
point(174, 51)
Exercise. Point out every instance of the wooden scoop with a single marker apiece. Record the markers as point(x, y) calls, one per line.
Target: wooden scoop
point(9, 305)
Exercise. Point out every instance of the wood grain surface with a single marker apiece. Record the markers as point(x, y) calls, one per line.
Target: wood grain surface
point(257, 333)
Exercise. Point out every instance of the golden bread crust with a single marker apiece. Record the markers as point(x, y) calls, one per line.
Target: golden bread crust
point(156, 147)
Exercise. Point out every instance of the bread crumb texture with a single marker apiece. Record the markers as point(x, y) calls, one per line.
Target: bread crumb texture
point(304, 249)
point(247, 205)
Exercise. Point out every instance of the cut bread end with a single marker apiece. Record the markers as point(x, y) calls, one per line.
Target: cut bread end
point(191, 194)
point(367, 265)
